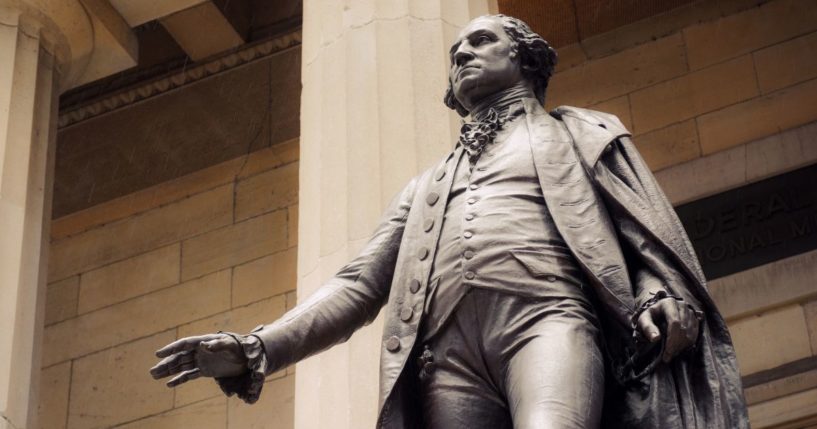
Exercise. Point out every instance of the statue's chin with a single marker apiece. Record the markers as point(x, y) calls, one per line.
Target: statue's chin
point(467, 101)
point(467, 90)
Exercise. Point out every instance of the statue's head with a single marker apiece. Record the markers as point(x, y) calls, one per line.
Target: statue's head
point(493, 53)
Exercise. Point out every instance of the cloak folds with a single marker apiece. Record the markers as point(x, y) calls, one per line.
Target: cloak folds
point(700, 388)
point(623, 232)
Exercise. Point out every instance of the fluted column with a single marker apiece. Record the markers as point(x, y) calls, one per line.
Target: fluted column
point(374, 73)
point(28, 100)
point(45, 46)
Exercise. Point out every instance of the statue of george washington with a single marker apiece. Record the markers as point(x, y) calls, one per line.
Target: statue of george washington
point(536, 277)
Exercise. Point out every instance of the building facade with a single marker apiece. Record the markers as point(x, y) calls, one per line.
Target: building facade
point(187, 166)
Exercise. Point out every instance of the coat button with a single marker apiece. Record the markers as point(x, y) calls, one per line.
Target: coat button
point(467, 234)
point(432, 198)
point(469, 216)
point(468, 254)
point(471, 200)
point(428, 224)
point(422, 254)
point(393, 344)
point(405, 314)
point(470, 275)
point(414, 286)
point(440, 174)
point(474, 187)
point(550, 278)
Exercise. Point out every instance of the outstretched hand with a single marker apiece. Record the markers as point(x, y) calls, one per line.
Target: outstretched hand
point(211, 355)
point(675, 321)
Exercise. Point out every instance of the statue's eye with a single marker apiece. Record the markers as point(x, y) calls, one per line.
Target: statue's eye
point(481, 40)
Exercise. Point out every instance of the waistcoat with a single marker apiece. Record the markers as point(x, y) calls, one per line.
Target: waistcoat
point(497, 232)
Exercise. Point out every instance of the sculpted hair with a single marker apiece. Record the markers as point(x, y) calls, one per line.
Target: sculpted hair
point(535, 55)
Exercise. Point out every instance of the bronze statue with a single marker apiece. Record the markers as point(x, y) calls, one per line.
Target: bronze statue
point(536, 277)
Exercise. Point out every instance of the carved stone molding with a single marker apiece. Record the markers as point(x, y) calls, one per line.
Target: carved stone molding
point(128, 96)
point(88, 38)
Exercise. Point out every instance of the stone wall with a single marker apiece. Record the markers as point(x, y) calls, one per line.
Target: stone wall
point(213, 250)
point(705, 87)
point(176, 124)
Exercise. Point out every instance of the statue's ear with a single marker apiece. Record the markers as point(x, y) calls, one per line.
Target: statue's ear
point(514, 55)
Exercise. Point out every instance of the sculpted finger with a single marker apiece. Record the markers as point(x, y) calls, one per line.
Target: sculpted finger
point(648, 327)
point(160, 369)
point(182, 359)
point(188, 366)
point(170, 365)
point(692, 325)
point(186, 357)
point(184, 344)
point(675, 335)
point(184, 377)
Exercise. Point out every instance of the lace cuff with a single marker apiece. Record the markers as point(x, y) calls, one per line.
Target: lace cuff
point(248, 385)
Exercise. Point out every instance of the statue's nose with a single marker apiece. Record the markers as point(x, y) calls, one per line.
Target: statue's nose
point(463, 55)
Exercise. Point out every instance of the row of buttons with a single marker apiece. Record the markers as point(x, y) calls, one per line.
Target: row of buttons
point(467, 234)
point(393, 343)
point(469, 254)
point(406, 313)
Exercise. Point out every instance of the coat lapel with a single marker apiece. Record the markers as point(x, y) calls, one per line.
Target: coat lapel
point(577, 210)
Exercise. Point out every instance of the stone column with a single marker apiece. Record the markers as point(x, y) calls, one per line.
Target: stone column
point(28, 102)
point(45, 46)
point(374, 74)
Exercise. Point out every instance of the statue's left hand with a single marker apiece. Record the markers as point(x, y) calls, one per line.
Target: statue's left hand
point(675, 321)
point(211, 355)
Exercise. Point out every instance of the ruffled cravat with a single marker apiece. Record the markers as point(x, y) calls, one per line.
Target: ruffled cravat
point(474, 136)
point(489, 116)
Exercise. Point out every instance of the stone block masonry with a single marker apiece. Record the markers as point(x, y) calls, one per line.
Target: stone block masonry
point(739, 73)
point(215, 250)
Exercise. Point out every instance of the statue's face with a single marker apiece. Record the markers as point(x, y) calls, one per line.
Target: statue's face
point(482, 61)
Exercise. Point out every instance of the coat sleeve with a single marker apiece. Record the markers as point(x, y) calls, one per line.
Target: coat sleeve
point(349, 300)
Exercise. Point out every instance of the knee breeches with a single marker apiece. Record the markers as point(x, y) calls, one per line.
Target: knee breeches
point(505, 361)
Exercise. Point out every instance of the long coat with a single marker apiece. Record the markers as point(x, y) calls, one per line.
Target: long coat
point(623, 233)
